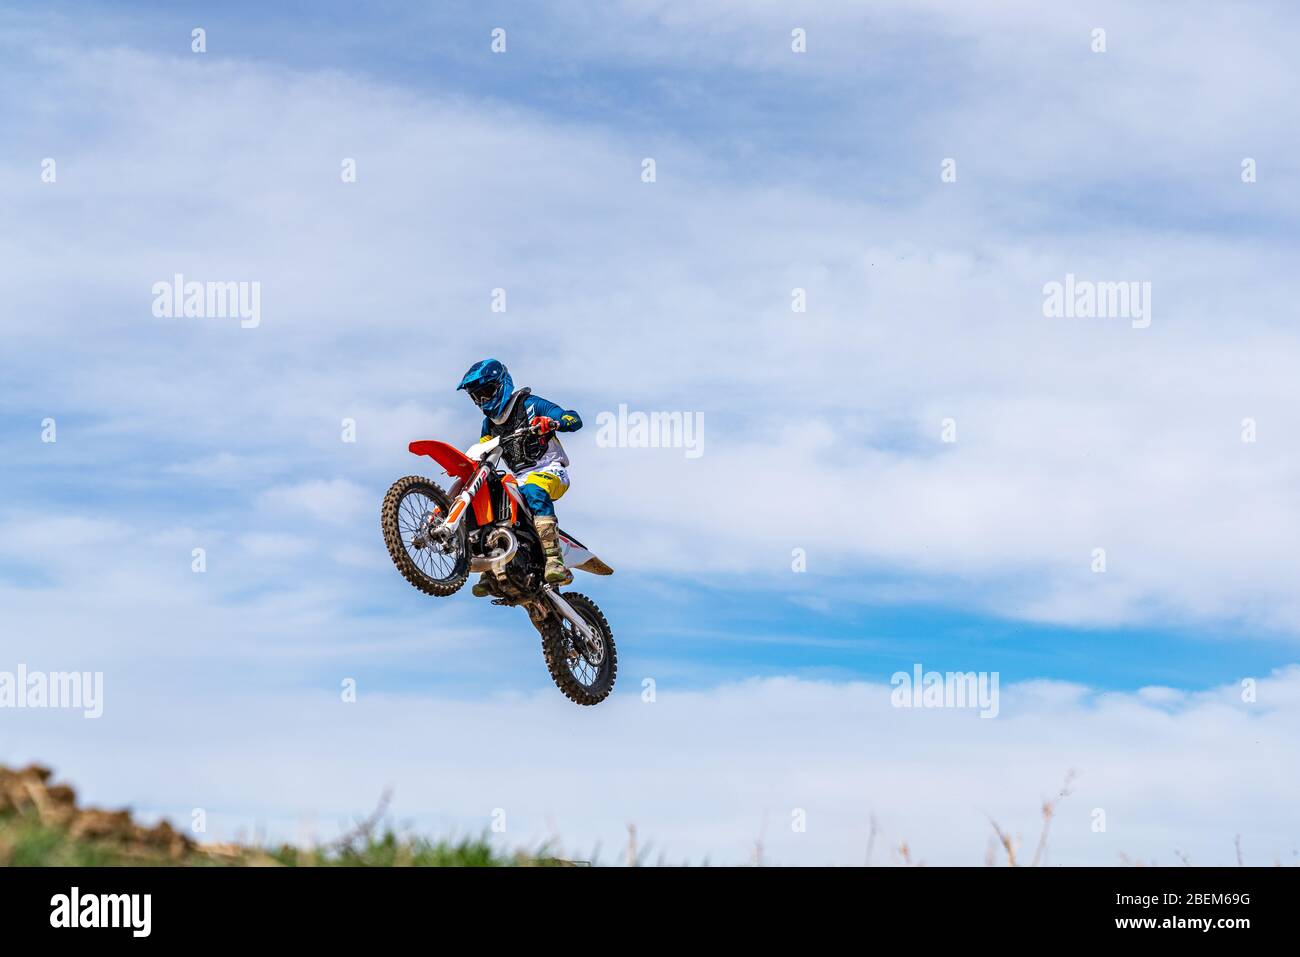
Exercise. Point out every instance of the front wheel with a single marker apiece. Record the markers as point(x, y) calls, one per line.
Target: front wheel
point(412, 510)
point(585, 675)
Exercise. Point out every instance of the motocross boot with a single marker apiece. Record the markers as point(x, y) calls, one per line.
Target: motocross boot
point(481, 589)
point(548, 535)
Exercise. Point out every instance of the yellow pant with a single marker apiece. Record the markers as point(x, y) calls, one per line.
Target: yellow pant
point(541, 488)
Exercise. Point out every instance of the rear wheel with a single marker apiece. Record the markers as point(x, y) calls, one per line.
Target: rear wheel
point(435, 564)
point(585, 674)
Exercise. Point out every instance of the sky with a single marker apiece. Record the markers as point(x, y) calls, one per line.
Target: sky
point(916, 468)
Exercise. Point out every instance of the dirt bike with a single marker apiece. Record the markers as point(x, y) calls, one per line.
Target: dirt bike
point(436, 538)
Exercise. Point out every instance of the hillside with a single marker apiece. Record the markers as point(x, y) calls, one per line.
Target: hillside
point(41, 825)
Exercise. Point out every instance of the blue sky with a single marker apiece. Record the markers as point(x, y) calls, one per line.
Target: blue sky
point(775, 171)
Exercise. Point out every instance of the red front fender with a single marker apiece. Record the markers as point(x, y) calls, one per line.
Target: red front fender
point(453, 461)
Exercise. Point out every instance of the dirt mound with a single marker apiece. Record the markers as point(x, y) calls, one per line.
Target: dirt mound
point(28, 793)
point(42, 826)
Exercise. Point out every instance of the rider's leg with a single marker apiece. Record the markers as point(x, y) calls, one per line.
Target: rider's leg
point(539, 490)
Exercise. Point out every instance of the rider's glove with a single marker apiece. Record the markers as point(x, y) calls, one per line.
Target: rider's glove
point(544, 424)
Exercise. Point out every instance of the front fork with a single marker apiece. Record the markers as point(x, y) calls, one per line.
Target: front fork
point(566, 611)
point(456, 514)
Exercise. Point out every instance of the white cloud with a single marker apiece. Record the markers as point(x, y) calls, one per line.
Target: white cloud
point(822, 428)
point(706, 773)
point(1071, 434)
point(275, 546)
point(336, 501)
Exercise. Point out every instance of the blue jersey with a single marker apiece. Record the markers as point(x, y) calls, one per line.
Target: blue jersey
point(535, 405)
point(548, 453)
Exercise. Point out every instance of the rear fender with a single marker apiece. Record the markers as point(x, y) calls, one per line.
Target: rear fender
point(576, 555)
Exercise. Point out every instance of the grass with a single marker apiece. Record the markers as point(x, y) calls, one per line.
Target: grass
point(27, 842)
point(41, 825)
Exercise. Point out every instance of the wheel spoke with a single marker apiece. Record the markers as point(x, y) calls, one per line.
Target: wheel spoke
point(584, 672)
point(434, 561)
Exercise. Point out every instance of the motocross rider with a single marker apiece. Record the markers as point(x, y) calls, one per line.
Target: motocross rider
point(538, 461)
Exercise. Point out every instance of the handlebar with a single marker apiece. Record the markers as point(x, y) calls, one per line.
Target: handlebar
point(529, 429)
point(477, 453)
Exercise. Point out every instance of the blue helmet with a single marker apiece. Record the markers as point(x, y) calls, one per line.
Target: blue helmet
point(488, 384)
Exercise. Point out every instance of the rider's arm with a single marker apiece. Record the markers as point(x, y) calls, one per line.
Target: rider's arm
point(566, 419)
point(487, 430)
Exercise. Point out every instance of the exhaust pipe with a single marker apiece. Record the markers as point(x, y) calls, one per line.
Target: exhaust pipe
point(497, 563)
